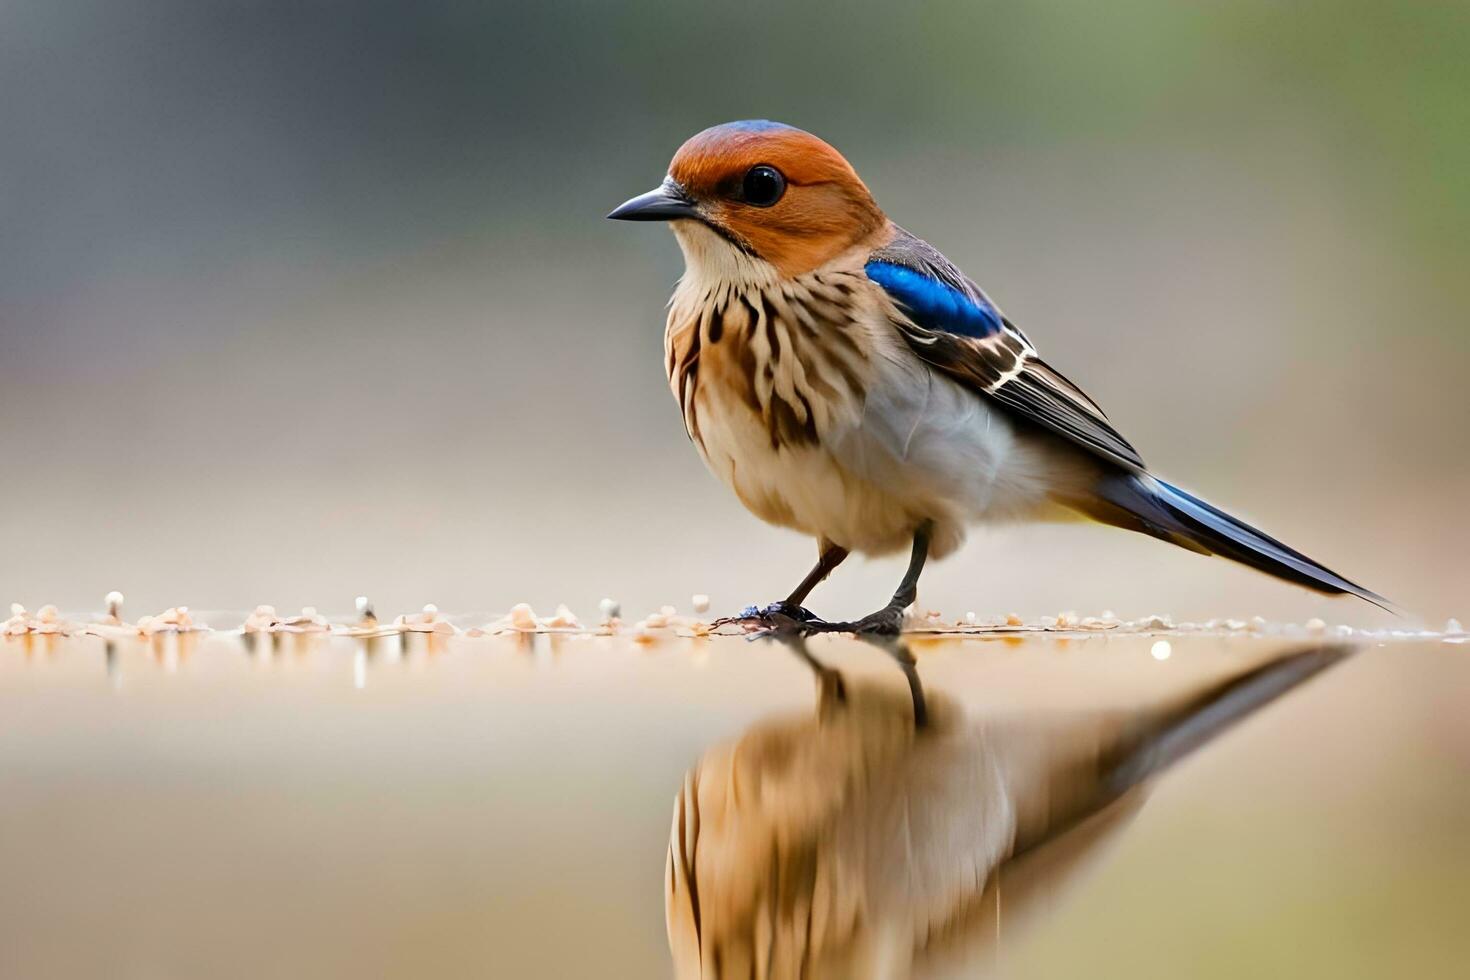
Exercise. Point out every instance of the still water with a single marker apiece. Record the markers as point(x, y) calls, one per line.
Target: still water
point(317, 806)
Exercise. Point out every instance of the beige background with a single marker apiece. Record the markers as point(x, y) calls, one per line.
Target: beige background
point(303, 302)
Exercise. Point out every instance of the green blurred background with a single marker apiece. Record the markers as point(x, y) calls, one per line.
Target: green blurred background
point(302, 300)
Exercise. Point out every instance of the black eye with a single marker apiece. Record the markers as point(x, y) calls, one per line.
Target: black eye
point(762, 186)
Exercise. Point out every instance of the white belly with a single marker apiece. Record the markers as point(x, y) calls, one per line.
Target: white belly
point(920, 448)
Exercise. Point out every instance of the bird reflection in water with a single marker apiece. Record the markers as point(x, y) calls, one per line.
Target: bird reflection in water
point(891, 834)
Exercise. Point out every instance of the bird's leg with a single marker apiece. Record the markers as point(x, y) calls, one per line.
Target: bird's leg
point(790, 610)
point(888, 621)
point(832, 555)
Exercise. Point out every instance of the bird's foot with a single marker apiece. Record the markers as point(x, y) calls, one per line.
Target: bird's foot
point(789, 618)
point(780, 616)
point(887, 621)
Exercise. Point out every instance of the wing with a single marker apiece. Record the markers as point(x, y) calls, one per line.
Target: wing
point(952, 325)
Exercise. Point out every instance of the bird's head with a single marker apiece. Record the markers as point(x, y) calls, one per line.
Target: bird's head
point(763, 190)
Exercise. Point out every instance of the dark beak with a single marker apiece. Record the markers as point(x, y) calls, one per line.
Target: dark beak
point(667, 202)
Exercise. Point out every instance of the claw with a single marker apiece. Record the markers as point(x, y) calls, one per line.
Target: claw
point(885, 622)
point(788, 617)
point(776, 616)
point(791, 611)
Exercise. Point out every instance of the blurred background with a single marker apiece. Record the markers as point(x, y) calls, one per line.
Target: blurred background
point(300, 300)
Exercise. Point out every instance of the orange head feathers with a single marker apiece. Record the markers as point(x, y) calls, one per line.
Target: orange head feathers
point(771, 190)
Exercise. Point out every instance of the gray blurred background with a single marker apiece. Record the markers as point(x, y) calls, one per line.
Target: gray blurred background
point(303, 300)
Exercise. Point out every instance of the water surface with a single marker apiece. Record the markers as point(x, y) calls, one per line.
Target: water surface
point(330, 807)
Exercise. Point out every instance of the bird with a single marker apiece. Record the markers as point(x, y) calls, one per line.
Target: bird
point(846, 380)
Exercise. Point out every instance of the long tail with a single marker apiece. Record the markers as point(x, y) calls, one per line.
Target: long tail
point(1141, 502)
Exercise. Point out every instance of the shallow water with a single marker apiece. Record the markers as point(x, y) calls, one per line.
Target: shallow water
point(418, 806)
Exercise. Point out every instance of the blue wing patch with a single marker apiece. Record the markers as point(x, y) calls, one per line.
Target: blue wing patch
point(935, 305)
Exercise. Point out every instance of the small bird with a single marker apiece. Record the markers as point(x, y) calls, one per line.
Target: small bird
point(846, 380)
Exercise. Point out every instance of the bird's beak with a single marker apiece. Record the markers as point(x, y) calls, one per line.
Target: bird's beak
point(666, 202)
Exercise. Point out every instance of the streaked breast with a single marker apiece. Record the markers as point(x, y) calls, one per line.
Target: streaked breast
point(794, 353)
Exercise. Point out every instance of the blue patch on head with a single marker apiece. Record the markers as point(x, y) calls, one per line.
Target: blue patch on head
point(933, 304)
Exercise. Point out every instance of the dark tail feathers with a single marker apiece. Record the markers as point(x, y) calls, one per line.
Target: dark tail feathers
point(1143, 503)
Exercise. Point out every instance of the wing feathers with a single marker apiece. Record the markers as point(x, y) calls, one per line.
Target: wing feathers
point(951, 324)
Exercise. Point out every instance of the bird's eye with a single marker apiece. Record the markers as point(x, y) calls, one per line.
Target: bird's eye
point(763, 186)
